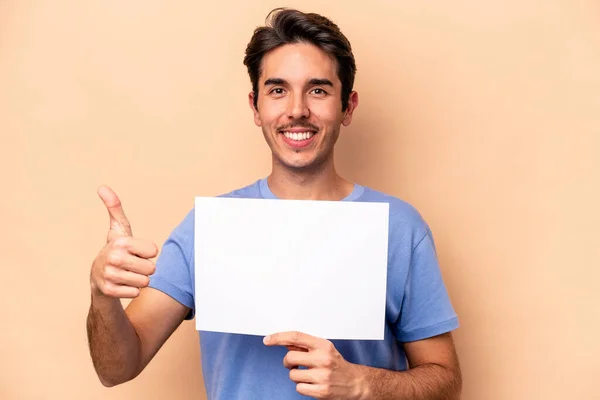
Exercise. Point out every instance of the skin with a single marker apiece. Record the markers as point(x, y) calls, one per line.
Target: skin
point(297, 101)
point(298, 87)
point(122, 342)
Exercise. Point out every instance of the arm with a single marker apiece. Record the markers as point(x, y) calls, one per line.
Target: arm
point(434, 374)
point(122, 342)
point(434, 368)
point(114, 345)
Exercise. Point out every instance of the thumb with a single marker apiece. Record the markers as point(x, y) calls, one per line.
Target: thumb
point(119, 224)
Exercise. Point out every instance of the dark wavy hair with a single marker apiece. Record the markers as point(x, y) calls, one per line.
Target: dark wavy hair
point(286, 26)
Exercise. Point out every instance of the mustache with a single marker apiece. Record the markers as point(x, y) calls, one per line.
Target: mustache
point(298, 124)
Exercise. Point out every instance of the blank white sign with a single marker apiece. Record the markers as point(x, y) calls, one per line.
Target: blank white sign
point(268, 265)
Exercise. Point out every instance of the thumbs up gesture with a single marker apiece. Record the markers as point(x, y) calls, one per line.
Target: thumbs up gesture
point(123, 265)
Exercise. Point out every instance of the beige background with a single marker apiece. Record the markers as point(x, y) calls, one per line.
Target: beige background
point(484, 115)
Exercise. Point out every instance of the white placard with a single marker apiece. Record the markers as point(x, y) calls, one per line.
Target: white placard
point(267, 265)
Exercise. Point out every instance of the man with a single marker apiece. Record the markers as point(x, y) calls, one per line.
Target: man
point(302, 72)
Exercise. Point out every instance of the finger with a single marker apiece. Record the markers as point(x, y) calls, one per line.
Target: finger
point(295, 338)
point(295, 359)
point(131, 263)
point(122, 277)
point(118, 220)
point(303, 375)
point(312, 390)
point(295, 348)
point(139, 247)
point(120, 291)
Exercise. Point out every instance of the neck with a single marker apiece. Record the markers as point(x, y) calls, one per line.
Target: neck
point(321, 183)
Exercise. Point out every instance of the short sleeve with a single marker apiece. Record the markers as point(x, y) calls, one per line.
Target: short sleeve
point(173, 274)
point(426, 309)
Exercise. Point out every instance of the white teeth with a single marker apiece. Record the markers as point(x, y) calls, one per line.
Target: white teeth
point(298, 135)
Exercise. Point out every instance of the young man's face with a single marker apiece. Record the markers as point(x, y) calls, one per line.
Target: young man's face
point(299, 105)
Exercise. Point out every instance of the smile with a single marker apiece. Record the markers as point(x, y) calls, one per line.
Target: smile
point(298, 139)
point(298, 136)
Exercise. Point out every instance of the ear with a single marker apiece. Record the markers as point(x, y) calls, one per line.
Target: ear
point(352, 104)
point(257, 120)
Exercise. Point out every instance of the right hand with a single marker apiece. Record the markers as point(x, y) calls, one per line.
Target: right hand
point(123, 266)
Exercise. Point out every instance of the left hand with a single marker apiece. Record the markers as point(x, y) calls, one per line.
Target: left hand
point(329, 375)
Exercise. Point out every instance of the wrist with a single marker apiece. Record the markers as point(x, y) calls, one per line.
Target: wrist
point(95, 292)
point(362, 385)
point(101, 301)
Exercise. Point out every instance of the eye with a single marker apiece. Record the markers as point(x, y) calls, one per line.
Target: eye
point(319, 91)
point(277, 91)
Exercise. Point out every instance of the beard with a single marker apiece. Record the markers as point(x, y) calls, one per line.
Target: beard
point(315, 158)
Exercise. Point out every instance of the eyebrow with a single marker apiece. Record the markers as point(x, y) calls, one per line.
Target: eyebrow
point(314, 81)
point(274, 81)
point(321, 82)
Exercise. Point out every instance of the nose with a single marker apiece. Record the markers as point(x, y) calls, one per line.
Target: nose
point(298, 107)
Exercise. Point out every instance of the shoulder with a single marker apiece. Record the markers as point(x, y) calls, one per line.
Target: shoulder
point(252, 190)
point(400, 210)
point(185, 228)
point(404, 218)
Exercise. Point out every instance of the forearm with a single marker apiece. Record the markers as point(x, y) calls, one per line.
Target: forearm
point(114, 344)
point(425, 382)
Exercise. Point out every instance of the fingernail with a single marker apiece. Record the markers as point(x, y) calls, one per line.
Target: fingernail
point(266, 339)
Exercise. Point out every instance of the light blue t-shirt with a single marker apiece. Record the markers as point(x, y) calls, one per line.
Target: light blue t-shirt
point(242, 367)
